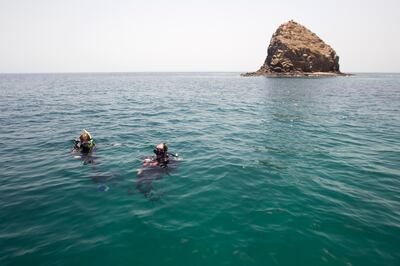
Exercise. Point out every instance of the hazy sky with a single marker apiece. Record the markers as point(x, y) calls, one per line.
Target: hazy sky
point(190, 35)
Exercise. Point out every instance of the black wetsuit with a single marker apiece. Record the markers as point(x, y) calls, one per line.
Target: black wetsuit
point(162, 160)
point(82, 147)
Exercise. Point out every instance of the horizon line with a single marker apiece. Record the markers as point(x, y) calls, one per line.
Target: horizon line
point(166, 72)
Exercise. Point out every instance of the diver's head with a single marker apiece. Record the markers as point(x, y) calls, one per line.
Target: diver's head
point(161, 150)
point(84, 137)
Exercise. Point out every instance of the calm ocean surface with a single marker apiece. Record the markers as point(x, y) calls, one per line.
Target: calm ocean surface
point(274, 171)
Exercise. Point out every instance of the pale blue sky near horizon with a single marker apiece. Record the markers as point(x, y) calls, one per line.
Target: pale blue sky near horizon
point(192, 35)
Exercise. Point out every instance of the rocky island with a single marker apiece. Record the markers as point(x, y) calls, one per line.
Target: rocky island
point(295, 51)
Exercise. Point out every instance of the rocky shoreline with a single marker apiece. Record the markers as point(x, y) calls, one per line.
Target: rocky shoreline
point(295, 51)
point(294, 74)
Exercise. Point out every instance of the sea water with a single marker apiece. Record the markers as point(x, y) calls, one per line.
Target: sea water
point(291, 171)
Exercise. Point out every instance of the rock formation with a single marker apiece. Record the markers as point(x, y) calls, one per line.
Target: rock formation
point(296, 51)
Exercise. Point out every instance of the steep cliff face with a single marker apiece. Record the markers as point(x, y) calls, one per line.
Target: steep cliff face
point(295, 50)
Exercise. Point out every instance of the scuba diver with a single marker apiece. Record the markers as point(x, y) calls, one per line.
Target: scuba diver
point(155, 168)
point(85, 143)
point(162, 156)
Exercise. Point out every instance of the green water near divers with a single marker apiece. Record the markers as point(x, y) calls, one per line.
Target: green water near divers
point(274, 171)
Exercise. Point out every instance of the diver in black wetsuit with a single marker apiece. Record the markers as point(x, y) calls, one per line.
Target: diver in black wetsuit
point(162, 157)
point(85, 143)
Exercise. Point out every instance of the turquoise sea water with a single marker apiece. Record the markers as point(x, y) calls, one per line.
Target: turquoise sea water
point(274, 171)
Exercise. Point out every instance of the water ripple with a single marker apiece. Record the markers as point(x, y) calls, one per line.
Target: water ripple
point(274, 171)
